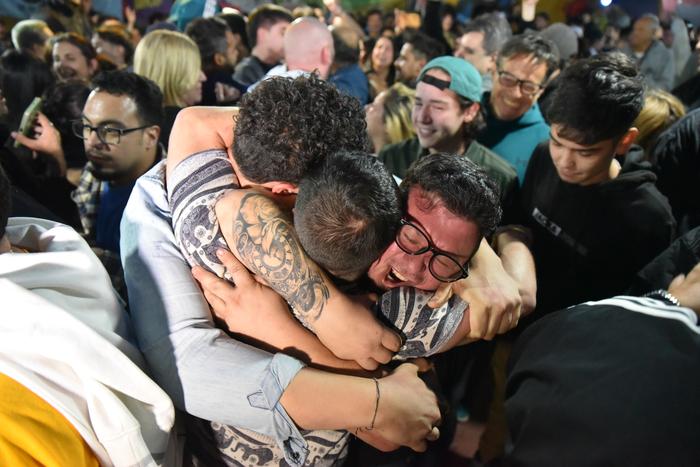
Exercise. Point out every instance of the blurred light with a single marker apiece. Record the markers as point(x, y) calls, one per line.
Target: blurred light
point(605, 3)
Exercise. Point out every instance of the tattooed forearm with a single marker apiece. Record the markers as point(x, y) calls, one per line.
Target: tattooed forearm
point(266, 243)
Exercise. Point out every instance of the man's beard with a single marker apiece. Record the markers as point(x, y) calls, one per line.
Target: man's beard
point(99, 173)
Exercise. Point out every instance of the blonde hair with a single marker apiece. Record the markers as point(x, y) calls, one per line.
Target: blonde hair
point(170, 59)
point(660, 111)
point(398, 105)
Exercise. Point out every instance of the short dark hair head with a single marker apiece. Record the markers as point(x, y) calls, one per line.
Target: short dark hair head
point(347, 212)
point(5, 201)
point(30, 35)
point(210, 36)
point(145, 93)
point(285, 126)
point(461, 185)
point(63, 102)
point(423, 45)
point(597, 98)
point(119, 36)
point(495, 29)
point(265, 16)
point(346, 44)
point(77, 40)
point(544, 50)
point(375, 11)
point(22, 78)
point(237, 24)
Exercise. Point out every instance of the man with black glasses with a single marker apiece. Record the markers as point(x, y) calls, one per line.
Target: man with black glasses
point(120, 125)
point(514, 123)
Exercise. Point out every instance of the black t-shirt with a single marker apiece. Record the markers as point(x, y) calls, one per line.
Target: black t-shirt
point(588, 242)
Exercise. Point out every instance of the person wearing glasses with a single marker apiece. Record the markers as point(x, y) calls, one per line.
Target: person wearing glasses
point(120, 126)
point(514, 123)
point(447, 117)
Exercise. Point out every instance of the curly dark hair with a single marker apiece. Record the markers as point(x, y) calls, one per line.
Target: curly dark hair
point(598, 98)
point(285, 126)
point(464, 188)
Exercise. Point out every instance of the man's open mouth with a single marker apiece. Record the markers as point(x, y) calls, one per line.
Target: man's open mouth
point(395, 276)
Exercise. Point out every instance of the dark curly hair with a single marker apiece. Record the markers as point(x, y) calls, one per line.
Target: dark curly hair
point(285, 126)
point(464, 188)
point(597, 98)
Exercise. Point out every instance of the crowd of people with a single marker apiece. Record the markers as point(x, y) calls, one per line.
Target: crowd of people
point(306, 236)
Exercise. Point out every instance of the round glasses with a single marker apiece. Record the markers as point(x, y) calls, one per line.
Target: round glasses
point(441, 265)
point(105, 134)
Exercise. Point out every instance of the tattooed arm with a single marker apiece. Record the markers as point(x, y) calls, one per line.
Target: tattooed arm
point(259, 316)
point(261, 235)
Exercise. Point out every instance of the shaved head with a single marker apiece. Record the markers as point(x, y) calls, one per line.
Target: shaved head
point(308, 46)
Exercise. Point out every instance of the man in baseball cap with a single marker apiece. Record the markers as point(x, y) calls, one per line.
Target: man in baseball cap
point(446, 117)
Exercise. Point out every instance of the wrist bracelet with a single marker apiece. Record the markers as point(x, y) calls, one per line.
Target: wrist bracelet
point(376, 405)
point(664, 296)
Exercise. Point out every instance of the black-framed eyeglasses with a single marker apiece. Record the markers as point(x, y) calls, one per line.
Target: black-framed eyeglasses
point(441, 265)
point(526, 87)
point(105, 133)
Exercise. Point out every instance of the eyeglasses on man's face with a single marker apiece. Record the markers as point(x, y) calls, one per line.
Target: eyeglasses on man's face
point(105, 133)
point(441, 265)
point(510, 80)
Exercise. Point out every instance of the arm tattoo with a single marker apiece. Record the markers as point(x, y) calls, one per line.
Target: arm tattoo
point(267, 244)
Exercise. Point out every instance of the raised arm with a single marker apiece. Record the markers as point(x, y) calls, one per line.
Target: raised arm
point(262, 237)
point(512, 245)
point(198, 129)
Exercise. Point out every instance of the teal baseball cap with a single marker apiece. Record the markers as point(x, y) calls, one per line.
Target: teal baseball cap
point(465, 80)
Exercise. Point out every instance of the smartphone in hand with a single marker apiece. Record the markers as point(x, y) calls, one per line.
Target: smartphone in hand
point(26, 125)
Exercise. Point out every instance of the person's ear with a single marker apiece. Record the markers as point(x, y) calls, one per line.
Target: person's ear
point(326, 55)
point(626, 141)
point(151, 135)
point(470, 112)
point(282, 188)
point(122, 50)
point(551, 78)
point(492, 64)
point(219, 59)
point(93, 66)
